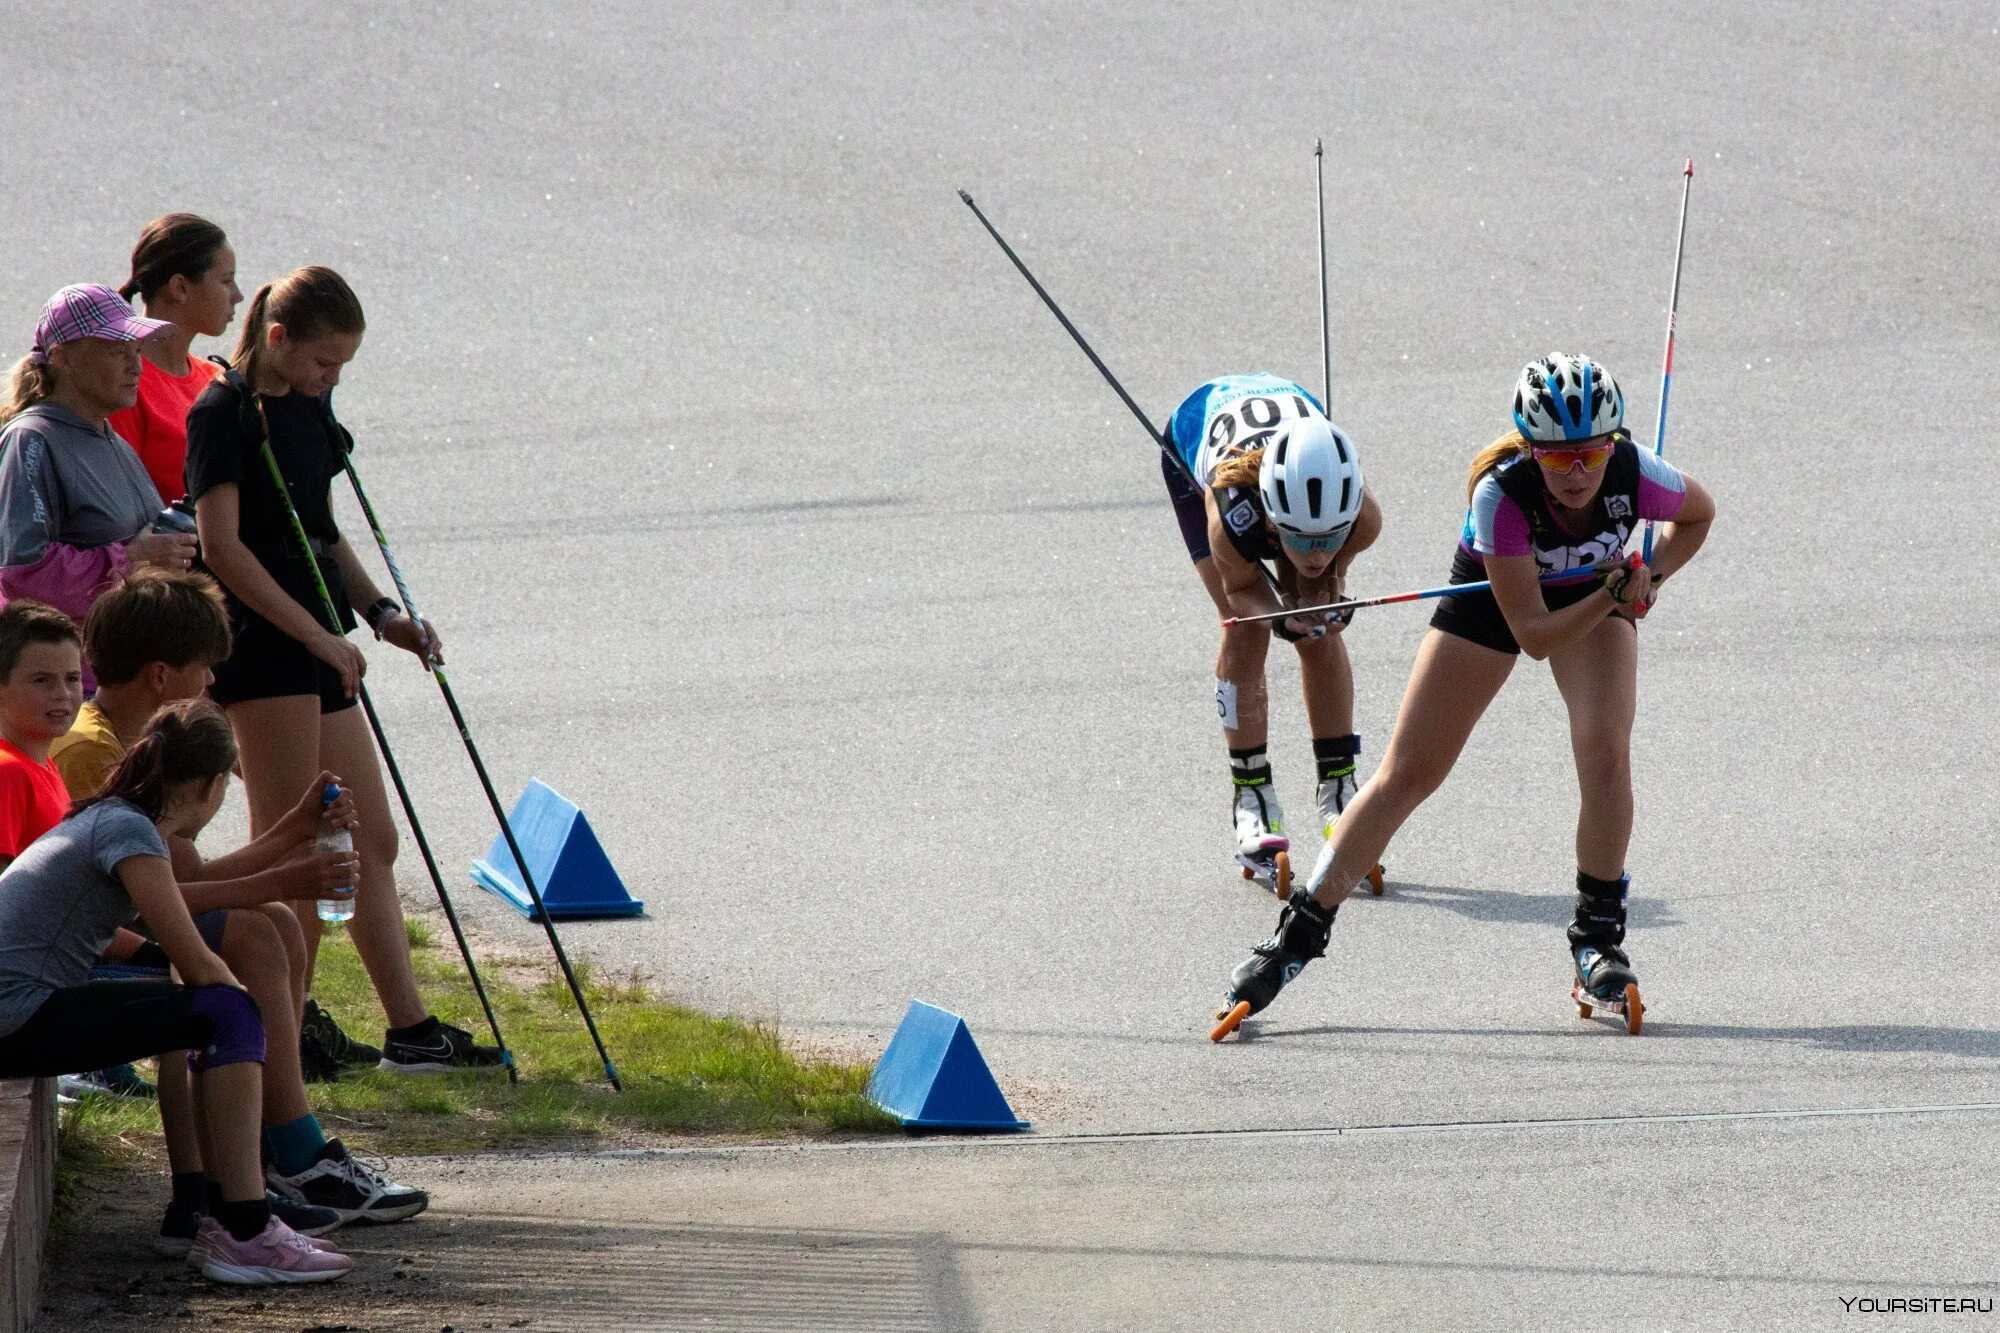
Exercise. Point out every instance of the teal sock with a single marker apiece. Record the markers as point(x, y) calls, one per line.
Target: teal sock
point(293, 1146)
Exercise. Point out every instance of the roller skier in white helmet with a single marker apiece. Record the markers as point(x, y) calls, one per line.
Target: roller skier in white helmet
point(1267, 490)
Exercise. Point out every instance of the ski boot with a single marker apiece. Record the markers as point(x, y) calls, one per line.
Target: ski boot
point(1262, 848)
point(1336, 759)
point(1604, 976)
point(1303, 928)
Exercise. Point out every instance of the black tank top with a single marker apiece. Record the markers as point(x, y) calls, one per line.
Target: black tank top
point(1242, 510)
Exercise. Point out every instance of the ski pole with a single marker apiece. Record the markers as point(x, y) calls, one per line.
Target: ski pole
point(485, 781)
point(1424, 594)
point(1166, 445)
point(1160, 439)
point(1673, 312)
point(388, 755)
point(1325, 345)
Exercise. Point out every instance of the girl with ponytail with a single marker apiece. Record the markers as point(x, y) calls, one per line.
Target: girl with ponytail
point(289, 684)
point(184, 272)
point(61, 902)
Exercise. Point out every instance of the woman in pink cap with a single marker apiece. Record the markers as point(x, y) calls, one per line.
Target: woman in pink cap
point(75, 503)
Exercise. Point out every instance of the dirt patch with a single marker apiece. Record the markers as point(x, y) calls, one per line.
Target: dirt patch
point(102, 1275)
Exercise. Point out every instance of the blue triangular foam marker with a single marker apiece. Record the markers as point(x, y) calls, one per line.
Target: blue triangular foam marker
point(574, 875)
point(932, 1076)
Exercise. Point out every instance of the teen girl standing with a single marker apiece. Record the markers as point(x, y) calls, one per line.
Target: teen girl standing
point(1562, 491)
point(1278, 482)
point(184, 271)
point(289, 685)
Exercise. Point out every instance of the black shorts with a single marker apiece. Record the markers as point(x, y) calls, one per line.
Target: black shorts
point(104, 1023)
point(267, 663)
point(1476, 616)
point(1189, 509)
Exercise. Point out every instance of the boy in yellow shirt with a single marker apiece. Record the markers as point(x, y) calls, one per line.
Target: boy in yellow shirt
point(154, 640)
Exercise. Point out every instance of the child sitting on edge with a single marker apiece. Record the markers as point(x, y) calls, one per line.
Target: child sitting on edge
point(152, 641)
point(61, 901)
point(41, 688)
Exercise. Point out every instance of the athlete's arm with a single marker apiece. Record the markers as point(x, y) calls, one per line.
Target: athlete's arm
point(1680, 537)
point(1243, 581)
point(1517, 586)
point(398, 628)
point(1367, 527)
point(216, 514)
point(149, 882)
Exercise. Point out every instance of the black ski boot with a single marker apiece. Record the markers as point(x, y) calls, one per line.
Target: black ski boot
point(1604, 976)
point(1303, 929)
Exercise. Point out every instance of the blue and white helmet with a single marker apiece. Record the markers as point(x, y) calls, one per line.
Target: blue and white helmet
point(1311, 484)
point(1566, 397)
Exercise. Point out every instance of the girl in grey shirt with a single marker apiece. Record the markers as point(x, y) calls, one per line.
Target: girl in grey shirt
point(62, 900)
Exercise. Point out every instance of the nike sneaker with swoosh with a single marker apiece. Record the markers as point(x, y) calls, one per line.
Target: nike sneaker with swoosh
point(432, 1047)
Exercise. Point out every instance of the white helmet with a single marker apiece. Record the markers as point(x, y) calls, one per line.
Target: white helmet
point(1311, 484)
point(1567, 397)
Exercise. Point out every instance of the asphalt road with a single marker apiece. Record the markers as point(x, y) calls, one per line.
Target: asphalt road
point(768, 516)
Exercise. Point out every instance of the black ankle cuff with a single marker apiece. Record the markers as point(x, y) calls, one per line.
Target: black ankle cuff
point(1589, 886)
point(244, 1220)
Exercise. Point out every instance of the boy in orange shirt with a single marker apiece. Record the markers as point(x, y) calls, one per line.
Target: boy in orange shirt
point(41, 689)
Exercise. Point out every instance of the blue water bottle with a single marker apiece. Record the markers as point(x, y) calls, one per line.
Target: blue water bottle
point(333, 839)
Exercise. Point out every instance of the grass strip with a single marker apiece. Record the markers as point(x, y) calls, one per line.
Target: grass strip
point(686, 1073)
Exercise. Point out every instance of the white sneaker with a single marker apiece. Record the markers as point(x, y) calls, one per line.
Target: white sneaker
point(354, 1189)
point(1260, 823)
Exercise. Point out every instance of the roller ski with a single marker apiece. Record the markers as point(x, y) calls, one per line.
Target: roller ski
point(1335, 791)
point(1604, 977)
point(1262, 848)
point(1303, 929)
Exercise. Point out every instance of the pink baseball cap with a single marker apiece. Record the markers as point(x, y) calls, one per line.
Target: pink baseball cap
point(89, 310)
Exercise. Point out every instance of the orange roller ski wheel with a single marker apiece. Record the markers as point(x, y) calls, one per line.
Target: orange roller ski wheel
point(1229, 1020)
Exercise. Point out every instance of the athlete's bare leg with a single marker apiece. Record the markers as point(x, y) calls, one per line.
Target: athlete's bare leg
point(1328, 680)
point(1598, 676)
point(1450, 687)
point(1240, 662)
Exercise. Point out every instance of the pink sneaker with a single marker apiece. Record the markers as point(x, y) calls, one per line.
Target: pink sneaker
point(275, 1255)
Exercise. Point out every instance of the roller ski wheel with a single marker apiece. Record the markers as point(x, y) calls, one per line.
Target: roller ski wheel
point(1228, 1019)
point(1604, 981)
point(1301, 936)
point(1271, 870)
point(1629, 1007)
point(1375, 883)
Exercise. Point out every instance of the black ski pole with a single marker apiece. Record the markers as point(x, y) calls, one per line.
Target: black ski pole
point(1166, 445)
point(388, 755)
point(1325, 344)
point(485, 782)
point(430, 864)
point(1159, 438)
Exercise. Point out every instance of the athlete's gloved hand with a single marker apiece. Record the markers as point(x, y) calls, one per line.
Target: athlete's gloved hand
point(1631, 587)
point(1294, 628)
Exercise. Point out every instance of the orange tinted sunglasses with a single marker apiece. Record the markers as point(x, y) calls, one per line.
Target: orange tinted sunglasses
point(1562, 460)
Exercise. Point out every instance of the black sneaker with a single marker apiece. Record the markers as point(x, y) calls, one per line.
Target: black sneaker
point(354, 1190)
point(178, 1227)
point(329, 1046)
point(432, 1047)
point(308, 1219)
point(177, 1231)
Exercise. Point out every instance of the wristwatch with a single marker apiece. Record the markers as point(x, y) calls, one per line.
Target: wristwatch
point(385, 606)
